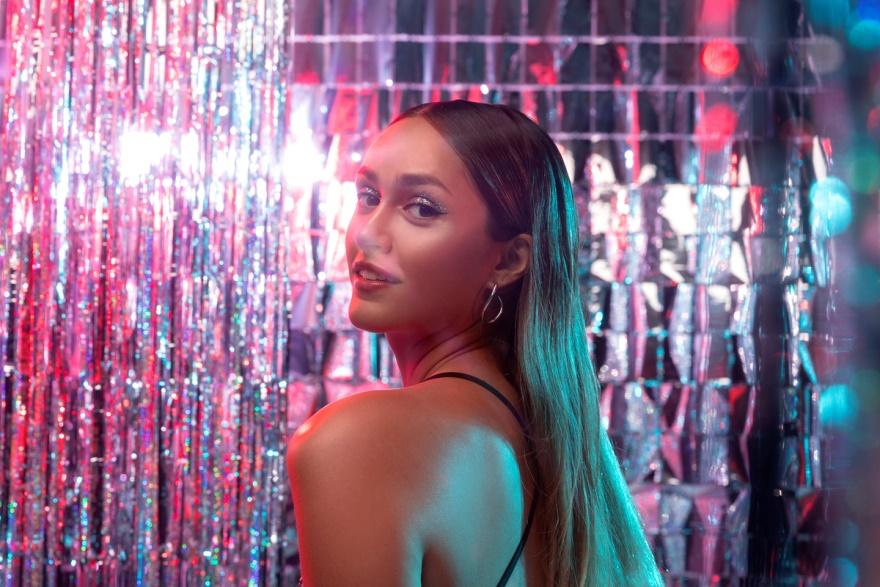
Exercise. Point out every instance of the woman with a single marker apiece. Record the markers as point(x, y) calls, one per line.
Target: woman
point(463, 251)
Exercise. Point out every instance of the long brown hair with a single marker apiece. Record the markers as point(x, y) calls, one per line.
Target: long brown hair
point(595, 534)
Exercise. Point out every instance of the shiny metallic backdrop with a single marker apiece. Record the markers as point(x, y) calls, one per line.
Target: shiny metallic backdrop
point(176, 181)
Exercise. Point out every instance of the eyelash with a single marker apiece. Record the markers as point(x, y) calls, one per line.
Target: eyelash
point(424, 203)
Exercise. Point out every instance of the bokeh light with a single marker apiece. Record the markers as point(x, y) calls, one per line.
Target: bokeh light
point(720, 57)
point(717, 126)
point(868, 9)
point(845, 572)
point(831, 207)
point(865, 34)
point(838, 407)
point(863, 168)
point(303, 164)
point(864, 30)
point(825, 53)
point(718, 12)
point(828, 14)
point(140, 151)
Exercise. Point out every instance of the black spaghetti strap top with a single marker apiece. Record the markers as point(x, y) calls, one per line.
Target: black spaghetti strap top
point(522, 543)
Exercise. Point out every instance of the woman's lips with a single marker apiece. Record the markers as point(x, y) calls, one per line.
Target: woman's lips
point(361, 266)
point(362, 284)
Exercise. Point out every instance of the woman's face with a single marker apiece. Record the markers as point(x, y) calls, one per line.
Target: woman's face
point(419, 218)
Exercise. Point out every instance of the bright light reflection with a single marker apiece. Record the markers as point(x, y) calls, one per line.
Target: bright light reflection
point(139, 151)
point(347, 204)
point(189, 151)
point(303, 164)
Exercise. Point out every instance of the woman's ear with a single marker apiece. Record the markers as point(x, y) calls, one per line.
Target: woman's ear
point(515, 259)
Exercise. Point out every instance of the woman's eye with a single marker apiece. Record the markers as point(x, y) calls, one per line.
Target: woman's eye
point(425, 208)
point(365, 194)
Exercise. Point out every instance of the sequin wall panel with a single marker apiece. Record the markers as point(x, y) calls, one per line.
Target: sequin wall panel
point(176, 185)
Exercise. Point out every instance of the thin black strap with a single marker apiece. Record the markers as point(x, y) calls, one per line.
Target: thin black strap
point(494, 391)
point(522, 543)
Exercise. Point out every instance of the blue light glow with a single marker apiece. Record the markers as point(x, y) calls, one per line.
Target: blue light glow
point(838, 407)
point(831, 211)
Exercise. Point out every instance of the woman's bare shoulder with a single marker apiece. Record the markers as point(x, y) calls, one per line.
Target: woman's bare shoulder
point(356, 490)
point(386, 470)
point(411, 427)
point(374, 417)
point(395, 440)
point(387, 430)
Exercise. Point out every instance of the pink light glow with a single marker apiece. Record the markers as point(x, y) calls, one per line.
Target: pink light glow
point(720, 58)
point(717, 126)
point(718, 12)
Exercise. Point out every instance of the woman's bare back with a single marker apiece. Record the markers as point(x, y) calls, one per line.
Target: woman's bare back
point(458, 477)
point(485, 513)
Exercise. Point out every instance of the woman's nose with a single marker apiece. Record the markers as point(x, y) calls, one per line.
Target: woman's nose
point(371, 230)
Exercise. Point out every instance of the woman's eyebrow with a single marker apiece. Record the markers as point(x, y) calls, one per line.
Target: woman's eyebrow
point(419, 179)
point(407, 179)
point(368, 173)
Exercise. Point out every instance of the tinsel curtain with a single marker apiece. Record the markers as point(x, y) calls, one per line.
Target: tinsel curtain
point(176, 180)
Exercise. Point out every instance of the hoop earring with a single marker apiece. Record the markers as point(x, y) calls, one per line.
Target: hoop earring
point(486, 306)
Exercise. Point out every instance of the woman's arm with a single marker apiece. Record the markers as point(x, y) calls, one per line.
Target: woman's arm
point(355, 513)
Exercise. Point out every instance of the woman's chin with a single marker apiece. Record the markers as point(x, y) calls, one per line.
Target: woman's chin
point(368, 323)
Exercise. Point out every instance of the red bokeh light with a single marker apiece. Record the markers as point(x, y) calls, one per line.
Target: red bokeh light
point(308, 77)
point(717, 126)
point(720, 58)
point(718, 12)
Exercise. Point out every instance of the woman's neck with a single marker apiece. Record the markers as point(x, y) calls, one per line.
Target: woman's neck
point(419, 357)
